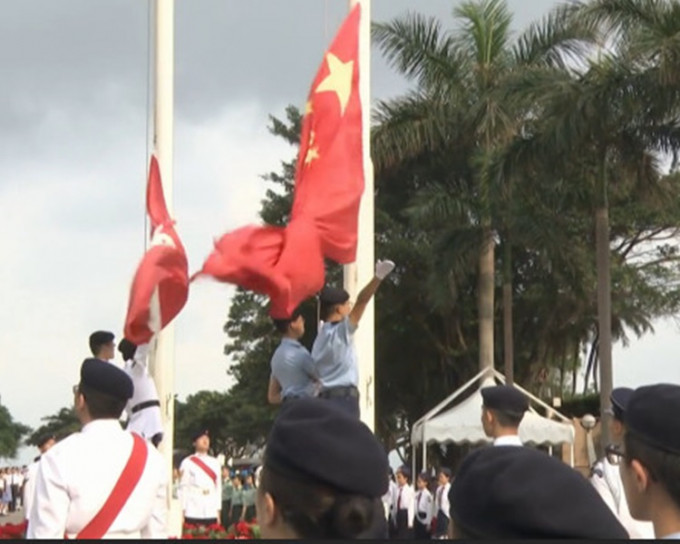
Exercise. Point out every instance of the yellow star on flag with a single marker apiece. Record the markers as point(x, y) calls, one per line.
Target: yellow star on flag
point(308, 108)
point(339, 80)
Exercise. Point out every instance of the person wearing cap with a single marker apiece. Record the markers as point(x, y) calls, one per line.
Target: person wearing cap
point(605, 475)
point(323, 475)
point(423, 508)
point(441, 503)
point(200, 484)
point(333, 351)
point(502, 412)
point(236, 499)
point(102, 345)
point(44, 443)
point(144, 408)
point(650, 458)
point(403, 504)
point(101, 482)
point(227, 494)
point(293, 374)
point(506, 492)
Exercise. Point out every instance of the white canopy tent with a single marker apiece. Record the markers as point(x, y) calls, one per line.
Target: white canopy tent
point(461, 424)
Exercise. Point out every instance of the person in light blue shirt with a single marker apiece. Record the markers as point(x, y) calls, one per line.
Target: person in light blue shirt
point(333, 351)
point(293, 374)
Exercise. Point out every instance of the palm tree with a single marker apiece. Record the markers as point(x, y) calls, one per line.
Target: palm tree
point(455, 113)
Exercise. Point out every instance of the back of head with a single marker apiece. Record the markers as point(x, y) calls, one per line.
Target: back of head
point(507, 403)
point(98, 339)
point(653, 434)
point(509, 492)
point(281, 325)
point(105, 388)
point(325, 471)
point(127, 349)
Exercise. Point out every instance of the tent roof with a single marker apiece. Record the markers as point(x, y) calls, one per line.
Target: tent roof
point(462, 423)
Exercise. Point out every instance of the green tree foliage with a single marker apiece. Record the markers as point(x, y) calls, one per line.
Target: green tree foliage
point(11, 433)
point(60, 424)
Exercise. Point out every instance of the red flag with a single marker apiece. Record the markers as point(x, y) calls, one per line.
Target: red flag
point(161, 284)
point(287, 263)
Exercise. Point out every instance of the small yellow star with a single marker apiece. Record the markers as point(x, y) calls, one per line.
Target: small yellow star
point(312, 154)
point(339, 80)
point(308, 108)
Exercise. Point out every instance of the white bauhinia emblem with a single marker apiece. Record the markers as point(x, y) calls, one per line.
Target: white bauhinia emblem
point(160, 238)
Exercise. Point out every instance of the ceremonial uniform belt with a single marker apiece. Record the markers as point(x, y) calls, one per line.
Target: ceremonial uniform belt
point(142, 405)
point(343, 392)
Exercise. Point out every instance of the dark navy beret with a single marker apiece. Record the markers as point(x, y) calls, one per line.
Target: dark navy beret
point(333, 295)
point(312, 440)
point(619, 399)
point(405, 471)
point(127, 349)
point(106, 378)
point(445, 471)
point(505, 398)
point(198, 434)
point(510, 492)
point(652, 413)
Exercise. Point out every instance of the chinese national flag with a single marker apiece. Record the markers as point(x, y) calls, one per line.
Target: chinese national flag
point(161, 284)
point(287, 264)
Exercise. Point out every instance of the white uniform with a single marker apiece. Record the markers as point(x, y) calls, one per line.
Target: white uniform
point(404, 499)
point(606, 479)
point(508, 440)
point(201, 497)
point(424, 509)
point(388, 498)
point(77, 475)
point(29, 486)
point(146, 422)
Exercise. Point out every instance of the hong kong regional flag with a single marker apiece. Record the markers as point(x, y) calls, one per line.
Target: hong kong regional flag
point(287, 264)
point(161, 284)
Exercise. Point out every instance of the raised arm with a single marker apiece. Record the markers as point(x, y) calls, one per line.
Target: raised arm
point(382, 270)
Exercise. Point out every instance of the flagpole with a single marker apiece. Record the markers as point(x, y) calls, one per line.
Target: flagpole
point(359, 273)
point(162, 353)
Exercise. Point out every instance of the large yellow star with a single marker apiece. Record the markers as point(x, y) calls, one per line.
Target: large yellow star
point(339, 80)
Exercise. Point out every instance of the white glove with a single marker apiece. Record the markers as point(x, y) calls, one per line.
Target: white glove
point(383, 268)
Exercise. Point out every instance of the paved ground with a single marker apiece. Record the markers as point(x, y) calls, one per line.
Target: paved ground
point(14, 517)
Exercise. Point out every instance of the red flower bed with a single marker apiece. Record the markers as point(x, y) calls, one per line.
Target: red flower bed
point(13, 531)
point(238, 531)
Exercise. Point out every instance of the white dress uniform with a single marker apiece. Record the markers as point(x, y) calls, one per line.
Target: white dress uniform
point(144, 420)
point(76, 477)
point(423, 509)
point(442, 509)
point(404, 502)
point(29, 486)
point(201, 497)
point(606, 479)
point(508, 440)
point(388, 498)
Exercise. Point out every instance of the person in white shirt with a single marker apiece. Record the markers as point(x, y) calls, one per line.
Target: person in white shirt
point(144, 408)
point(403, 507)
point(44, 443)
point(650, 458)
point(102, 482)
point(441, 503)
point(388, 497)
point(200, 487)
point(503, 409)
point(423, 508)
point(605, 475)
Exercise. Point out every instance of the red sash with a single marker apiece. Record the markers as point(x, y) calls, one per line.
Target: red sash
point(205, 468)
point(127, 481)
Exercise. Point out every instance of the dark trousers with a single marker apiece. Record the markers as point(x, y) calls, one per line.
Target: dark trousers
point(420, 530)
point(225, 520)
point(200, 521)
point(402, 529)
point(442, 524)
point(236, 510)
point(345, 398)
point(15, 497)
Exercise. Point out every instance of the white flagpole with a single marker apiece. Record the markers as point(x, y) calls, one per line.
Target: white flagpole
point(359, 273)
point(162, 356)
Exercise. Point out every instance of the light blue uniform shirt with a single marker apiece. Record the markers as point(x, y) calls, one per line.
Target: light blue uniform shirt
point(293, 368)
point(335, 356)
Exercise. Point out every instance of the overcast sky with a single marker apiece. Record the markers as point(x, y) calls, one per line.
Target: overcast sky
point(73, 162)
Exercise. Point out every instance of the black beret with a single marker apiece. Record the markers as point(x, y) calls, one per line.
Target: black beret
point(312, 440)
point(505, 398)
point(333, 295)
point(198, 434)
point(445, 471)
point(508, 492)
point(619, 399)
point(405, 471)
point(106, 378)
point(651, 415)
point(127, 349)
